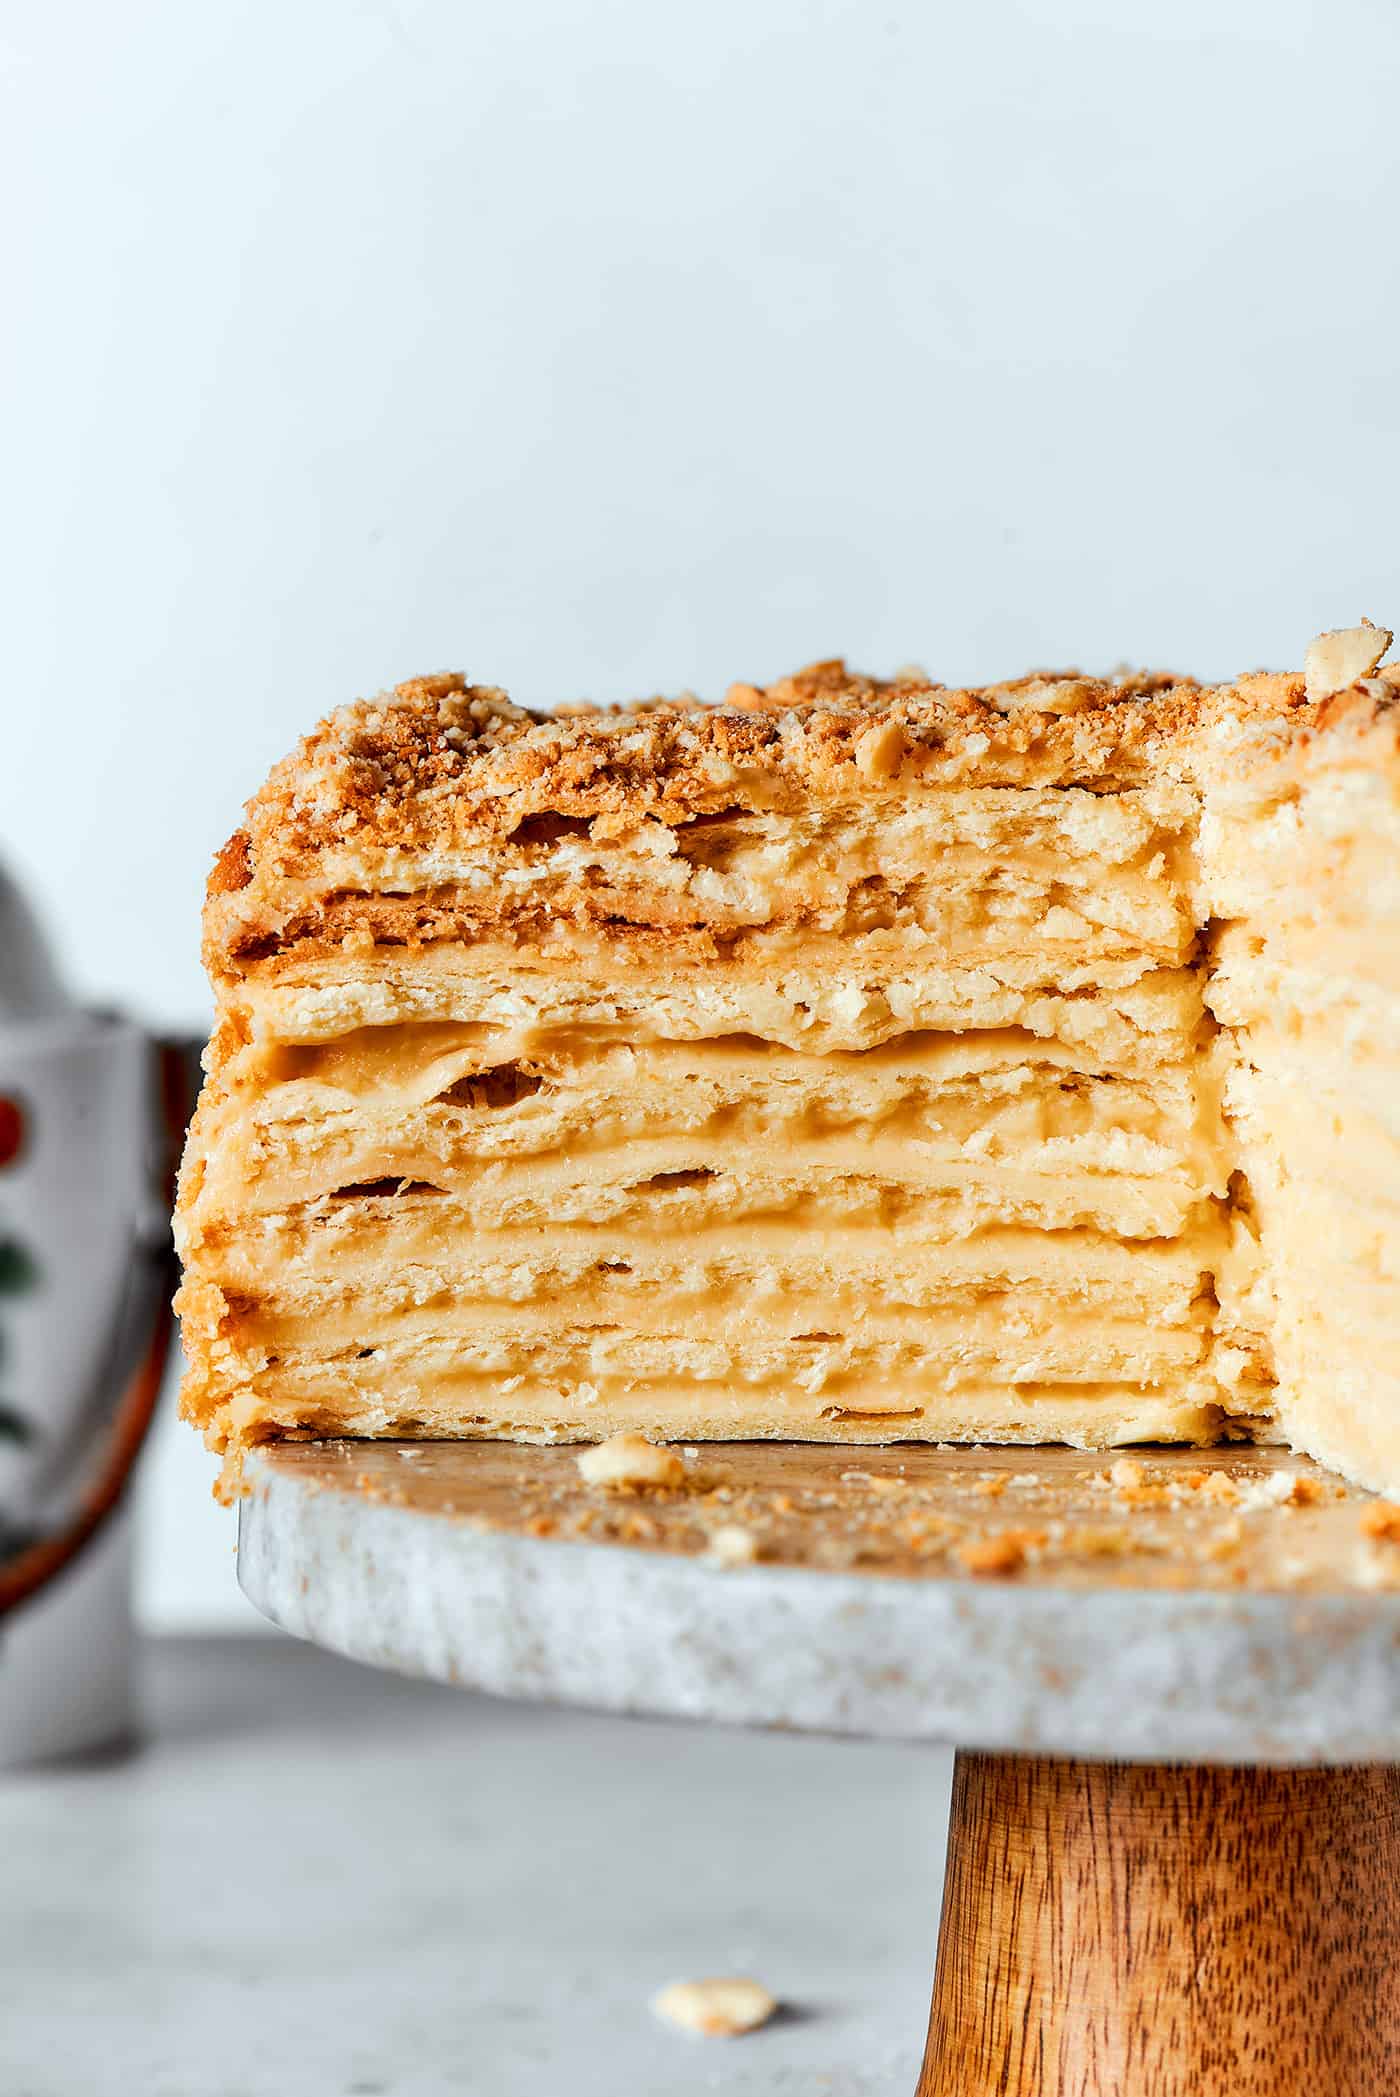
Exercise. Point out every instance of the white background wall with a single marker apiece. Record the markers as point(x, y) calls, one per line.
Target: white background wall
point(602, 348)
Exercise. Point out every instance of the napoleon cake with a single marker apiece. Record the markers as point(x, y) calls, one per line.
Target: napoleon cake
point(849, 1061)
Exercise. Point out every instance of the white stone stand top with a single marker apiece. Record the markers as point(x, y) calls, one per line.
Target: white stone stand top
point(1235, 1606)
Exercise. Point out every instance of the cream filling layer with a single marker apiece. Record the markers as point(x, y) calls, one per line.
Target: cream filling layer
point(967, 865)
point(428, 1249)
point(1124, 1017)
point(1102, 1415)
point(1056, 1140)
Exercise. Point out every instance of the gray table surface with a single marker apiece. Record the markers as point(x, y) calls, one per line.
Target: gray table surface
point(320, 1881)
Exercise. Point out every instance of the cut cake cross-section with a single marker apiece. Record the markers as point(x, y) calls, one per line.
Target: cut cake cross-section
point(849, 1061)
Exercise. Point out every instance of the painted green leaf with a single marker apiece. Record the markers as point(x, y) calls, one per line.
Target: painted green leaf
point(13, 1426)
point(14, 1538)
point(17, 1270)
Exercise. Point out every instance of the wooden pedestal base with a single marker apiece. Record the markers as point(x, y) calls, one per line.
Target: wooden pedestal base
point(1116, 1930)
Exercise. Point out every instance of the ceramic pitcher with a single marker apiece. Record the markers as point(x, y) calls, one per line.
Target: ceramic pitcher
point(89, 1109)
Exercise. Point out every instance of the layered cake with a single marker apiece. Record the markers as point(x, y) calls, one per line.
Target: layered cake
point(849, 1061)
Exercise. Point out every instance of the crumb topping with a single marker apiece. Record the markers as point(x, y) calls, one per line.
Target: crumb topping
point(439, 765)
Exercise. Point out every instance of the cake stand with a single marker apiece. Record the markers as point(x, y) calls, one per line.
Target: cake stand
point(1173, 1682)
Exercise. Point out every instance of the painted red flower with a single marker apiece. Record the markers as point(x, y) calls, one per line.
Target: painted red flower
point(11, 1130)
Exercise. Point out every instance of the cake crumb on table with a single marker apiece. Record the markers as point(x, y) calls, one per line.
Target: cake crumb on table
point(717, 2009)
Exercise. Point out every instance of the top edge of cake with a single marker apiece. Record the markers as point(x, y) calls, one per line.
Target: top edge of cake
point(438, 763)
point(466, 755)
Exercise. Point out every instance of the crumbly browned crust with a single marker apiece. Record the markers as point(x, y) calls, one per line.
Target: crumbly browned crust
point(1350, 717)
point(439, 764)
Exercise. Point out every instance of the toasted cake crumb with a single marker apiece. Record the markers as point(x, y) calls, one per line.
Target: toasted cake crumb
point(718, 2009)
point(1282, 1489)
point(630, 1460)
point(1129, 1481)
point(1382, 1521)
point(1335, 661)
point(732, 1545)
point(1299, 1491)
point(992, 1557)
point(880, 751)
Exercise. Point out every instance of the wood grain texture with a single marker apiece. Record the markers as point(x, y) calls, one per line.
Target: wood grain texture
point(1116, 1930)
